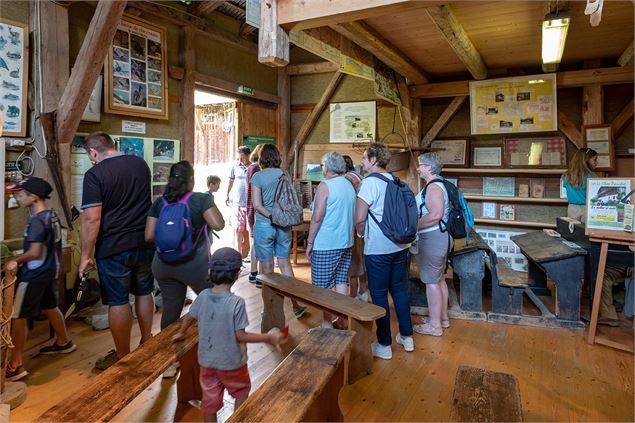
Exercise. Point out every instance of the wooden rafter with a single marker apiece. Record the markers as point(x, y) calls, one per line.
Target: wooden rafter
point(567, 127)
point(246, 29)
point(443, 120)
point(621, 122)
point(369, 39)
point(455, 34)
point(314, 116)
point(204, 7)
point(312, 68)
point(187, 58)
point(627, 56)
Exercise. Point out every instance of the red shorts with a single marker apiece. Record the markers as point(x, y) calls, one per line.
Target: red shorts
point(214, 382)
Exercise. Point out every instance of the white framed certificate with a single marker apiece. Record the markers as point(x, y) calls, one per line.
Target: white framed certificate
point(487, 156)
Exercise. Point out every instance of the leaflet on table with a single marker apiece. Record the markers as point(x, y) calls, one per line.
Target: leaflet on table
point(605, 209)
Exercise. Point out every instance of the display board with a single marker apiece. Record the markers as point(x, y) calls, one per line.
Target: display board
point(514, 105)
point(353, 122)
point(14, 76)
point(605, 208)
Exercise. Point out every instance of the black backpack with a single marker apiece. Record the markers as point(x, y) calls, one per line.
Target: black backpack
point(399, 221)
point(460, 218)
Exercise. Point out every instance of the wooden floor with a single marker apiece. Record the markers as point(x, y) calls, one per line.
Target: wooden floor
point(561, 378)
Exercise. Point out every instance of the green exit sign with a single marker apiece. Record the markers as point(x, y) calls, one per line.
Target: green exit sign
point(242, 89)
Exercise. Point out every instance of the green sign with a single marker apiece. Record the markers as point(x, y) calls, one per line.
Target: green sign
point(245, 90)
point(252, 141)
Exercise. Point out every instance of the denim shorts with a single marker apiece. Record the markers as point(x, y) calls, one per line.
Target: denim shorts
point(270, 240)
point(125, 273)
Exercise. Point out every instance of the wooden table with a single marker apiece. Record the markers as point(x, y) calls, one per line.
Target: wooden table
point(551, 257)
point(303, 227)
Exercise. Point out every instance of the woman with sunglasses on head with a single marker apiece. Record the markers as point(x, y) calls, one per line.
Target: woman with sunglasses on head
point(580, 169)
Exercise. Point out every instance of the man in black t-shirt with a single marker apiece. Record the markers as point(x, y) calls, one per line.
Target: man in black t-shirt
point(115, 202)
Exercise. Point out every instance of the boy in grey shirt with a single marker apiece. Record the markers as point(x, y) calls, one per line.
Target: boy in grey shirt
point(222, 319)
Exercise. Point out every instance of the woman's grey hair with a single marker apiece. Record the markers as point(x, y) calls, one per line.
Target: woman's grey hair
point(433, 160)
point(334, 163)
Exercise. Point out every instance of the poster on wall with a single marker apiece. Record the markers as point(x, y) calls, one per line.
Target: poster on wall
point(135, 81)
point(514, 105)
point(604, 203)
point(14, 74)
point(352, 122)
point(80, 164)
point(386, 83)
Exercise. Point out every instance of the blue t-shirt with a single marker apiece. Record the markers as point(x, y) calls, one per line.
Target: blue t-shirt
point(219, 316)
point(45, 228)
point(577, 196)
point(267, 181)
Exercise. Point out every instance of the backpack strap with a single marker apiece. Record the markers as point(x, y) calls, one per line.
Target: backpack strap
point(442, 224)
point(386, 180)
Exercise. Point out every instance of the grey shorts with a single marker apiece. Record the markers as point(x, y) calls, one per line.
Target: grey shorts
point(433, 255)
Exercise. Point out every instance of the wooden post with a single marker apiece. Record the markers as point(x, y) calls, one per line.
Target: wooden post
point(87, 67)
point(273, 41)
point(410, 113)
point(567, 127)
point(284, 113)
point(187, 57)
point(593, 105)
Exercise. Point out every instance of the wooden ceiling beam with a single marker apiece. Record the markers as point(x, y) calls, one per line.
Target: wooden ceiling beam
point(443, 120)
point(273, 41)
point(627, 56)
point(567, 127)
point(312, 68)
point(369, 39)
point(204, 7)
point(444, 18)
point(570, 79)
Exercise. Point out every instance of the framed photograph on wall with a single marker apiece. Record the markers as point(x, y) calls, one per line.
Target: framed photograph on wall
point(499, 186)
point(453, 151)
point(14, 76)
point(600, 139)
point(135, 73)
point(536, 151)
point(488, 156)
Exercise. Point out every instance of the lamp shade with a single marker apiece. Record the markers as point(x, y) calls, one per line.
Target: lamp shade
point(554, 35)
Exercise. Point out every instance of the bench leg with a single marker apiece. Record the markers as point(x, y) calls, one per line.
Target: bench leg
point(361, 362)
point(325, 407)
point(273, 310)
point(188, 386)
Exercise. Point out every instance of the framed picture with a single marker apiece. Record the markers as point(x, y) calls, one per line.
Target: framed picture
point(314, 172)
point(539, 152)
point(537, 187)
point(499, 186)
point(523, 190)
point(135, 73)
point(131, 146)
point(489, 210)
point(487, 156)
point(452, 151)
point(353, 122)
point(605, 209)
point(161, 172)
point(164, 151)
point(507, 212)
point(92, 112)
point(14, 76)
point(600, 139)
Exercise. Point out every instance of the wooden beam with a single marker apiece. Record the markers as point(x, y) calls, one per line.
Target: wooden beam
point(203, 26)
point(314, 116)
point(88, 64)
point(222, 85)
point(627, 56)
point(453, 31)
point(187, 59)
point(592, 105)
point(567, 127)
point(443, 120)
point(369, 39)
point(410, 115)
point(621, 122)
point(284, 114)
point(204, 7)
point(569, 79)
point(273, 41)
point(246, 29)
point(307, 107)
point(312, 68)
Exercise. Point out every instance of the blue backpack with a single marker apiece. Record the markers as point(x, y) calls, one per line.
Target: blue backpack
point(173, 232)
point(400, 216)
point(460, 218)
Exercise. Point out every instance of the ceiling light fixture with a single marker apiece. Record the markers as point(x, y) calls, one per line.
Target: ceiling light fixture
point(554, 35)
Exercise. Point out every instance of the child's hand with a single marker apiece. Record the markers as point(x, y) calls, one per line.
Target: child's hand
point(179, 336)
point(277, 339)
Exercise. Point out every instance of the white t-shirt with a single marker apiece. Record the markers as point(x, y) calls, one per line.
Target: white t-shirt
point(239, 189)
point(373, 192)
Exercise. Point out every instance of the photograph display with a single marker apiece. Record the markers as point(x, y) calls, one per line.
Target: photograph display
point(543, 152)
point(600, 139)
point(353, 122)
point(604, 203)
point(505, 248)
point(14, 74)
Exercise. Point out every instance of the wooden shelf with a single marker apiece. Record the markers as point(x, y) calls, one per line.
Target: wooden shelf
point(476, 197)
point(498, 170)
point(538, 225)
point(19, 149)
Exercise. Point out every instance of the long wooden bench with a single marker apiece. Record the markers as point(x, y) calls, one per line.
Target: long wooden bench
point(306, 385)
point(360, 315)
point(109, 392)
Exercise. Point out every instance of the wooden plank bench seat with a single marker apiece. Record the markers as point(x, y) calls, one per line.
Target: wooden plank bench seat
point(110, 391)
point(485, 396)
point(360, 315)
point(306, 385)
point(508, 287)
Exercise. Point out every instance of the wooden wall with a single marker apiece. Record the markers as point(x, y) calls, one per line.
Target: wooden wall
point(255, 120)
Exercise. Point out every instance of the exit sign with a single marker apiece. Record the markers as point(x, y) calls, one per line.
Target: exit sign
point(242, 89)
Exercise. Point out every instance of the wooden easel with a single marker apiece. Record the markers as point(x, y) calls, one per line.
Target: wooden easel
point(606, 237)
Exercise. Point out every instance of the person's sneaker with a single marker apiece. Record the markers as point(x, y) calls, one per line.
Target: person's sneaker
point(299, 311)
point(171, 371)
point(406, 341)
point(252, 278)
point(381, 351)
point(363, 296)
point(18, 373)
point(258, 284)
point(69, 347)
point(108, 360)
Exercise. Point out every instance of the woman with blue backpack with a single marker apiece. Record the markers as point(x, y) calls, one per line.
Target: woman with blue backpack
point(177, 223)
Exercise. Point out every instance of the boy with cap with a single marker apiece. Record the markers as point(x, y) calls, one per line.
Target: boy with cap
point(37, 289)
point(222, 319)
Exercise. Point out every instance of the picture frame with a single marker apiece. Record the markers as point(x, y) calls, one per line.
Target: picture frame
point(92, 112)
point(489, 210)
point(135, 73)
point(353, 122)
point(314, 172)
point(487, 156)
point(497, 186)
point(542, 152)
point(453, 151)
point(165, 150)
point(600, 139)
point(507, 212)
point(523, 190)
point(537, 187)
point(14, 77)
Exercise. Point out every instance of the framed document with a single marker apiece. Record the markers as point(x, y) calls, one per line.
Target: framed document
point(537, 187)
point(452, 151)
point(353, 122)
point(499, 186)
point(605, 209)
point(600, 139)
point(507, 212)
point(487, 156)
point(534, 151)
point(489, 210)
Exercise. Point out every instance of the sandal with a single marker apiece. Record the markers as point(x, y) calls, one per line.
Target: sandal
point(428, 329)
point(444, 323)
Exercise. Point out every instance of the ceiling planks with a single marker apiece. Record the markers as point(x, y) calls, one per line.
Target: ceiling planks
point(204, 7)
point(627, 56)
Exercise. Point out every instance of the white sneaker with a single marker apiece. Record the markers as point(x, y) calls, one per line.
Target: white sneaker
point(406, 341)
point(171, 371)
point(363, 296)
point(381, 351)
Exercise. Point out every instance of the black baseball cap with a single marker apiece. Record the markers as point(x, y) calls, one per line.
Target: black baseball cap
point(37, 186)
point(226, 259)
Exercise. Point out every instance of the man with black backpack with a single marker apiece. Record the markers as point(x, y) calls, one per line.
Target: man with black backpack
point(386, 216)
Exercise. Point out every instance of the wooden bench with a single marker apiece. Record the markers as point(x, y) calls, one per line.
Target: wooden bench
point(109, 392)
point(485, 396)
point(360, 315)
point(508, 287)
point(306, 385)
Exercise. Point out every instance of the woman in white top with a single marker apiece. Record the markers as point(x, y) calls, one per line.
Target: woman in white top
point(432, 245)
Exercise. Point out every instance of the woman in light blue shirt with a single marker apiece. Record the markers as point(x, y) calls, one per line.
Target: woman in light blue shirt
point(580, 169)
